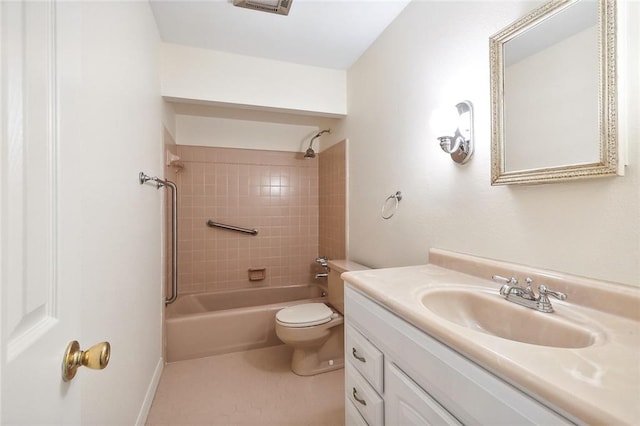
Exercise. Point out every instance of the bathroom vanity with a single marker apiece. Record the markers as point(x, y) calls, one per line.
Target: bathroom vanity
point(422, 349)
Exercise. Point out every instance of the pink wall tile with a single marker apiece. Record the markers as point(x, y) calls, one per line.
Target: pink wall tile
point(275, 192)
point(332, 201)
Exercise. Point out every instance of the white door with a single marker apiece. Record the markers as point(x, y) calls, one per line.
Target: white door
point(40, 263)
point(80, 241)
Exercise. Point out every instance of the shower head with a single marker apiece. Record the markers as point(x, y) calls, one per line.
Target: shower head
point(310, 152)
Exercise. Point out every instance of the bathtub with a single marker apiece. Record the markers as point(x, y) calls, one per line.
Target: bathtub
point(204, 324)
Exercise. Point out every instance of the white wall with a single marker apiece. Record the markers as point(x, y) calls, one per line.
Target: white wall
point(216, 126)
point(192, 74)
point(232, 133)
point(437, 53)
point(122, 128)
point(169, 118)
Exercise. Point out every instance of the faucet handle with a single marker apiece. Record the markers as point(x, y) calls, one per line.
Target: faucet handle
point(503, 280)
point(544, 291)
point(543, 303)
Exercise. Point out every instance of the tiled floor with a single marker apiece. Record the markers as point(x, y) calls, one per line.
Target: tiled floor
point(249, 389)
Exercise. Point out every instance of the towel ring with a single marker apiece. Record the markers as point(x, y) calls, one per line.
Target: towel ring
point(396, 201)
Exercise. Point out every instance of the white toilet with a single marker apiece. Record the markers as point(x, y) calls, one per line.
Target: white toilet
point(316, 330)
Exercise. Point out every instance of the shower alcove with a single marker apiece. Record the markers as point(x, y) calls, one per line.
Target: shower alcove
point(247, 169)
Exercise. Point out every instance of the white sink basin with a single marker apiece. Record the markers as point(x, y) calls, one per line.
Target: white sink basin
point(491, 314)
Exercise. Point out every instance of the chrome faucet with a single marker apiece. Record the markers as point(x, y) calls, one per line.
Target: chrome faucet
point(506, 289)
point(322, 261)
point(525, 296)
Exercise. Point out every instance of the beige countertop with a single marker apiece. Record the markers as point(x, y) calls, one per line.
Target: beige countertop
point(597, 384)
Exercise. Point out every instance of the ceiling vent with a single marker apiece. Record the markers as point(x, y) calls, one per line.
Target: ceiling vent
point(280, 7)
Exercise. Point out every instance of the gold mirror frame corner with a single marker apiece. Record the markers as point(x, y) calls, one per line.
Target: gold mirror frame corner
point(607, 108)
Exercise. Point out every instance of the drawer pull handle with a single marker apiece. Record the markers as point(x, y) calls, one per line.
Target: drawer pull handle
point(356, 356)
point(355, 396)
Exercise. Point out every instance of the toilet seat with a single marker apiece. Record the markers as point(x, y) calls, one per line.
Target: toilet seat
point(304, 315)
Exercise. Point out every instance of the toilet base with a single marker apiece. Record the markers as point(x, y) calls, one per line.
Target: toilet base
point(309, 361)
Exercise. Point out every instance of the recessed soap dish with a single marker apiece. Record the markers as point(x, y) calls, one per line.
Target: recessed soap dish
point(257, 274)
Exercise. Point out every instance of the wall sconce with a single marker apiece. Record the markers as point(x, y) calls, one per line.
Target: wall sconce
point(457, 122)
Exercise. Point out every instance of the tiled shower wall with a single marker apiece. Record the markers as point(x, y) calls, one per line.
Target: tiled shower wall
point(332, 201)
point(274, 192)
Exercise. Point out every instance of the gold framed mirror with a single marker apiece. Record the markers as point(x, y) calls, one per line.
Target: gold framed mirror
point(553, 94)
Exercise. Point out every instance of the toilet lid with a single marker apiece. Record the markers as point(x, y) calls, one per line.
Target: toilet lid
point(304, 315)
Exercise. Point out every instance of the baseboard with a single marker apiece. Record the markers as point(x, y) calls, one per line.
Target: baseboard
point(151, 392)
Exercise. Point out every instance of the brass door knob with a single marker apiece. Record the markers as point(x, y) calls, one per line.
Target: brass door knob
point(96, 358)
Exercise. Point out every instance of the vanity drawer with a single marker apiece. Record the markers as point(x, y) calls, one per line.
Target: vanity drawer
point(366, 400)
point(352, 416)
point(365, 357)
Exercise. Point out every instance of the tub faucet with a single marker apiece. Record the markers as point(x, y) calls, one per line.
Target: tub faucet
point(324, 262)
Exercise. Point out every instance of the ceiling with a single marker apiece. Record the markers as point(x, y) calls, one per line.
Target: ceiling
point(322, 33)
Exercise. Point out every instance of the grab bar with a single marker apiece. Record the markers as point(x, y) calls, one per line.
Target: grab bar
point(174, 230)
point(174, 242)
point(213, 224)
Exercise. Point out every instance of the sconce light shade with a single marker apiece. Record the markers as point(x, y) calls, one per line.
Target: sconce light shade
point(456, 127)
point(444, 121)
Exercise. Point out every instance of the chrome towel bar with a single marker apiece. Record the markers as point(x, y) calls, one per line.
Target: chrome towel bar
point(213, 224)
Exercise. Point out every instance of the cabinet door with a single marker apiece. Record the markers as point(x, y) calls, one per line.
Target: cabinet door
point(407, 404)
point(352, 415)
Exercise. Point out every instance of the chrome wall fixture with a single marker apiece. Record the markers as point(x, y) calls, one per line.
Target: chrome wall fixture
point(455, 125)
point(390, 205)
point(213, 224)
point(143, 178)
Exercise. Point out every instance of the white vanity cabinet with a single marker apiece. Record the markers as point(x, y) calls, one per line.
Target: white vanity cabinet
point(409, 378)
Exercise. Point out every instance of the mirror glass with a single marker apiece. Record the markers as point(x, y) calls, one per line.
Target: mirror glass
point(553, 94)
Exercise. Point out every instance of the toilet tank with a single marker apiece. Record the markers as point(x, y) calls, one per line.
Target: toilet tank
point(336, 285)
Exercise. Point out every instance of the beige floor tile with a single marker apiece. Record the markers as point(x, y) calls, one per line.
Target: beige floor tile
point(247, 388)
